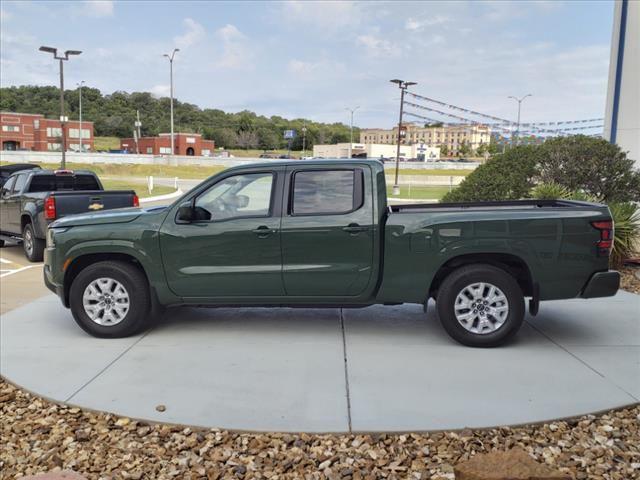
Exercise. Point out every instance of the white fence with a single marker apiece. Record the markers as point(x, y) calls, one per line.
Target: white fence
point(73, 157)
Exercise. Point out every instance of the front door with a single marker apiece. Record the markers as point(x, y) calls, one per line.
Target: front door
point(232, 248)
point(327, 232)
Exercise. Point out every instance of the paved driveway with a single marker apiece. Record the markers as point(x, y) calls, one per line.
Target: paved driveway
point(379, 368)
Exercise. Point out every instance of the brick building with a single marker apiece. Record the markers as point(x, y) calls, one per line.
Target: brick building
point(27, 131)
point(191, 144)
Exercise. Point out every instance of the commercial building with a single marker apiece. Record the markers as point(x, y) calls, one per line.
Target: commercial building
point(453, 137)
point(418, 151)
point(27, 131)
point(191, 144)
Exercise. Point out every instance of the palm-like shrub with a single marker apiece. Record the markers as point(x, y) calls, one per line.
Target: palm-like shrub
point(550, 191)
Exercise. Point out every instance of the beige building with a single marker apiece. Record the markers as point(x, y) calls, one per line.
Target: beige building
point(376, 150)
point(450, 136)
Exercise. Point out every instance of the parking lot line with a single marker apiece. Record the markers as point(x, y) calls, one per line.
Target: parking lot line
point(18, 270)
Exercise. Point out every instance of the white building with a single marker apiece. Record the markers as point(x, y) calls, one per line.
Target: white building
point(622, 115)
point(377, 150)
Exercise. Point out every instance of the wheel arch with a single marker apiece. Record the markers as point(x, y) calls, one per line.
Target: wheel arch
point(81, 262)
point(510, 263)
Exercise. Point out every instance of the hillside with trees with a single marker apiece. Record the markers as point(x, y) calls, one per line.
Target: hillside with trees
point(115, 114)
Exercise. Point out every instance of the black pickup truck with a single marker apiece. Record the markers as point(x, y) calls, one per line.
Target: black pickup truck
point(30, 199)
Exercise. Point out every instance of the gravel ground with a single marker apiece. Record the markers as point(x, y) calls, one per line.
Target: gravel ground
point(629, 281)
point(38, 436)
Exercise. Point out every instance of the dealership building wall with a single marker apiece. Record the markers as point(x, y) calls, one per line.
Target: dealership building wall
point(376, 150)
point(622, 114)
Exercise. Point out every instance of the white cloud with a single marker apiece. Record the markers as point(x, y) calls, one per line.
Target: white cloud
point(377, 47)
point(419, 24)
point(160, 90)
point(236, 53)
point(323, 15)
point(302, 68)
point(98, 8)
point(194, 34)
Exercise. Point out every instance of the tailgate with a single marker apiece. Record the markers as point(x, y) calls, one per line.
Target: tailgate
point(70, 203)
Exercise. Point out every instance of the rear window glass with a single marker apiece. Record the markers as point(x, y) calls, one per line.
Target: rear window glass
point(53, 183)
point(324, 192)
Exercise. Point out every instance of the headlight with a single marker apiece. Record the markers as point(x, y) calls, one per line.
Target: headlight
point(51, 236)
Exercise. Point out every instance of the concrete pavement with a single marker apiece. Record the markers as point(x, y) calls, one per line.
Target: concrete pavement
point(373, 369)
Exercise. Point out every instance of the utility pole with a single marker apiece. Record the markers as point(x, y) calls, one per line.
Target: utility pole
point(137, 124)
point(63, 119)
point(519, 100)
point(80, 92)
point(304, 139)
point(170, 57)
point(403, 86)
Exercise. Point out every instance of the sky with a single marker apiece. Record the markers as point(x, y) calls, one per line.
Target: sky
point(307, 59)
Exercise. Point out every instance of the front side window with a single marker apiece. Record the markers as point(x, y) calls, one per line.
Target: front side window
point(6, 188)
point(247, 195)
point(325, 192)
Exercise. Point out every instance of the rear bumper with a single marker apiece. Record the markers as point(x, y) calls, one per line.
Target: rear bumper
point(602, 284)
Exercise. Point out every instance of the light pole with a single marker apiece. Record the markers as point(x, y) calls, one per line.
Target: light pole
point(304, 139)
point(403, 86)
point(63, 119)
point(352, 110)
point(519, 100)
point(80, 93)
point(170, 57)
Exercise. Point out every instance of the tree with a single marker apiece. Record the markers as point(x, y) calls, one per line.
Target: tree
point(509, 176)
point(247, 139)
point(464, 149)
point(444, 150)
point(591, 165)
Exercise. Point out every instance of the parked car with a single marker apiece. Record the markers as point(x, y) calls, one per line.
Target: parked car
point(7, 170)
point(31, 199)
point(321, 233)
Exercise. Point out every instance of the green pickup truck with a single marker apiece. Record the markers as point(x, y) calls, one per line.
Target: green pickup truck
point(321, 234)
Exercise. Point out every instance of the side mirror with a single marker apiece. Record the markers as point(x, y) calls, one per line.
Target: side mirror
point(185, 213)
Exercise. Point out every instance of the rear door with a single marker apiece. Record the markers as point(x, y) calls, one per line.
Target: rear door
point(5, 195)
point(327, 231)
point(13, 204)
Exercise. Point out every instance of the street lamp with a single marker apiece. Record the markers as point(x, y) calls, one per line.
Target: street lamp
point(403, 86)
point(63, 119)
point(170, 57)
point(519, 100)
point(80, 107)
point(352, 110)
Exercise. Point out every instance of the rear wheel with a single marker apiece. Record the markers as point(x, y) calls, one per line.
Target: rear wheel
point(480, 306)
point(33, 247)
point(110, 299)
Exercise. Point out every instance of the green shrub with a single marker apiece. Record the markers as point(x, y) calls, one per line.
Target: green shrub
point(508, 176)
point(549, 191)
point(590, 165)
point(627, 231)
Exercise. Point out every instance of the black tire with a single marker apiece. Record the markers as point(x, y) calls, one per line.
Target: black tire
point(33, 247)
point(456, 282)
point(134, 282)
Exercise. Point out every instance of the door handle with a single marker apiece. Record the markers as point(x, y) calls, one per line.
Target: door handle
point(354, 228)
point(264, 231)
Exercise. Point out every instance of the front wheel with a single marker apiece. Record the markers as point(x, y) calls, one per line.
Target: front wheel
point(110, 299)
point(480, 306)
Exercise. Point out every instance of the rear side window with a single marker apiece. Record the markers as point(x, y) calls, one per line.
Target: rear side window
point(6, 188)
point(53, 183)
point(20, 181)
point(326, 192)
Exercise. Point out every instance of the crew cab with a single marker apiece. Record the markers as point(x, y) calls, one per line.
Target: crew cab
point(321, 233)
point(32, 198)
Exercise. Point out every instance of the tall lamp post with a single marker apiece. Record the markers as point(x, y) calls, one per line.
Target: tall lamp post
point(352, 110)
point(63, 119)
point(170, 57)
point(403, 86)
point(80, 108)
point(519, 100)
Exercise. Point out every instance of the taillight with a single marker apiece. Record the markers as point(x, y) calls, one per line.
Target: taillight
point(605, 244)
point(136, 201)
point(50, 208)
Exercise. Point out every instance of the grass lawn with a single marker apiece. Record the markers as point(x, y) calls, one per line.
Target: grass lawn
point(106, 143)
point(428, 171)
point(419, 192)
point(139, 188)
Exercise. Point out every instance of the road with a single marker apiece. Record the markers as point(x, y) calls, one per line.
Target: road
point(20, 281)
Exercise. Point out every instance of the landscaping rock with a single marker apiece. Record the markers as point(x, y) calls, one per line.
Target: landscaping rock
point(63, 475)
point(515, 464)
